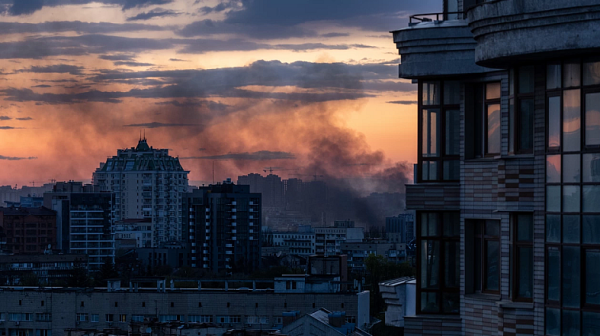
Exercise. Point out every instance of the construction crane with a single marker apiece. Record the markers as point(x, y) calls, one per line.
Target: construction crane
point(271, 169)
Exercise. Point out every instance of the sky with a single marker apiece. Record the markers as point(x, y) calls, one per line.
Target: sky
point(307, 87)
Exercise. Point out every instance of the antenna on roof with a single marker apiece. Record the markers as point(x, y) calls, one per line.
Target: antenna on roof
point(144, 134)
point(140, 135)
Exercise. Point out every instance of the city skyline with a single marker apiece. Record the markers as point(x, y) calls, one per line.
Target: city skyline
point(227, 82)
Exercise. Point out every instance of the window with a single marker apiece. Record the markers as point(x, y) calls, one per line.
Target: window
point(572, 197)
point(82, 317)
point(200, 318)
point(137, 318)
point(439, 131)
point(484, 264)
point(229, 319)
point(169, 318)
point(17, 317)
point(438, 262)
point(109, 317)
point(43, 317)
point(522, 257)
point(122, 317)
point(43, 332)
point(95, 318)
point(521, 110)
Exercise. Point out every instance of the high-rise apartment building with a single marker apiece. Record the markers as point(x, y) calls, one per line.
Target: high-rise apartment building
point(224, 225)
point(27, 230)
point(147, 183)
point(506, 195)
point(400, 229)
point(83, 221)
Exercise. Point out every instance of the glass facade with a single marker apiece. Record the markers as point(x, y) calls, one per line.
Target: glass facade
point(573, 198)
point(439, 121)
point(438, 242)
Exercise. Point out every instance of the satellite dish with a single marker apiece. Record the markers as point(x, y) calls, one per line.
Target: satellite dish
point(148, 330)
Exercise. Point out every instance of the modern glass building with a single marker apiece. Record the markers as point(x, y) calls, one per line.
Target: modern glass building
point(507, 192)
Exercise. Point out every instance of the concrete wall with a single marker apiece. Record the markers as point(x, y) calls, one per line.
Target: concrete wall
point(533, 29)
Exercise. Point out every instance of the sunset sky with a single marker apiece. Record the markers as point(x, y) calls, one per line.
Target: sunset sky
point(301, 84)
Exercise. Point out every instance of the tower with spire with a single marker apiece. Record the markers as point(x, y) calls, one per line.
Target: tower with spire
point(148, 184)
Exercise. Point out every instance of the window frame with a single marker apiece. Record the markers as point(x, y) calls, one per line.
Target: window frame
point(443, 109)
point(515, 262)
point(484, 238)
point(442, 239)
point(485, 117)
point(514, 115)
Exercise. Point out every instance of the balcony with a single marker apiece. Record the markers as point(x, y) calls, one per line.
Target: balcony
point(438, 196)
point(512, 31)
point(436, 45)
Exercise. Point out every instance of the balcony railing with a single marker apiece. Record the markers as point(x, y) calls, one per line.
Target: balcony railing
point(429, 17)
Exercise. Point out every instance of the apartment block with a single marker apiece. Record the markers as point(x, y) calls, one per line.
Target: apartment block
point(28, 230)
point(328, 240)
point(59, 311)
point(506, 193)
point(147, 183)
point(84, 221)
point(299, 243)
point(400, 229)
point(224, 224)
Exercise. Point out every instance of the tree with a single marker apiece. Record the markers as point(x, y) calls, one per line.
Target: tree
point(107, 271)
point(30, 279)
point(79, 277)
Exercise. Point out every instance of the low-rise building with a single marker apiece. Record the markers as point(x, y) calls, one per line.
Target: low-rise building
point(300, 243)
point(328, 240)
point(358, 252)
point(400, 297)
point(47, 268)
point(26, 311)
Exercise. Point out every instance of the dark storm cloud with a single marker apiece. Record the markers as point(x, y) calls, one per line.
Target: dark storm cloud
point(158, 125)
point(328, 81)
point(14, 158)
point(402, 102)
point(40, 47)
point(158, 12)
point(196, 104)
point(208, 45)
point(9, 128)
point(254, 156)
point(221, 7)
point(256, 30)
point(335, 35)
point(132, 64)
point(25, 119)
point(117, 57)
point(177, 60)
point(74, 26)
point(394, 85)
point(25, 7)
point(58, 68)
point(42, 86)
point(2, 118)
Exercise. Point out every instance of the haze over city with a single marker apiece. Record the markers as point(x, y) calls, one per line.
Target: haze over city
point(304, 85)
